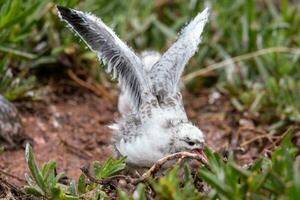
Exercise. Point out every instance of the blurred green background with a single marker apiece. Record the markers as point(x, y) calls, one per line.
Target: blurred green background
point(250, 53)
point(254, 45)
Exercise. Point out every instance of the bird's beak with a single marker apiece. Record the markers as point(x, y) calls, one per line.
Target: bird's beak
point(201, 154)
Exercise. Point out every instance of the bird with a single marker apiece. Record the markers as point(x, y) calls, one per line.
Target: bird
point(153, 121)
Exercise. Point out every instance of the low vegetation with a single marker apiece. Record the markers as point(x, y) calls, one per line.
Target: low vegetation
point(253, 43)
point(250, 54)
point(274, 177)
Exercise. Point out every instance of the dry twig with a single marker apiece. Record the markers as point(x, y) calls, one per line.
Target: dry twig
point(74, 150)
point(85, 170)
point(273, 145)
point(255, 139)
point(237, 59)
point(151, 172)
point(12, 176)
point(96, 88)
point(162, 161)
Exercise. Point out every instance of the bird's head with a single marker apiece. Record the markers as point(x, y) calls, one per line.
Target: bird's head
point(187, 137)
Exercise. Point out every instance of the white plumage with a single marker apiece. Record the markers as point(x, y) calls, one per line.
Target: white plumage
point(153, 123)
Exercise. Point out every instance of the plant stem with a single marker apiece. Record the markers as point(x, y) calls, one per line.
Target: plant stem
point(236, 59)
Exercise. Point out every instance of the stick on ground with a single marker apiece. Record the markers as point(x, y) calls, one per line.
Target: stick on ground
point(151, 172)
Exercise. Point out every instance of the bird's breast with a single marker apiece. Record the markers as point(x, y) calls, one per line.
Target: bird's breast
point(144, 151)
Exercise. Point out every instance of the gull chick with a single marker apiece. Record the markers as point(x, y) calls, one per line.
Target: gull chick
point(153, 122)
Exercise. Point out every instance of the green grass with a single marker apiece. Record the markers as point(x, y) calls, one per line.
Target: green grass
point(11, 39)
point(277, 177)
point(262, 85)
point(265, 84)
point(251, 49)
point(44, 182)
point(28, 40)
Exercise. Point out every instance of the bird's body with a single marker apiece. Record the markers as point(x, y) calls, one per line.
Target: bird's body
point(153, 121)
point(149, 58)
point(144, 142)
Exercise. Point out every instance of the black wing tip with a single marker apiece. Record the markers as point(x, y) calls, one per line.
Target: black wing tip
point(62, 9)
point(65, 13)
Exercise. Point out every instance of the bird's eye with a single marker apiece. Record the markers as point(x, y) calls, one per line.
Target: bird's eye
point(191, 143)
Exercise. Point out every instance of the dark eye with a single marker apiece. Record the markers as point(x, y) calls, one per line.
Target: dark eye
point(191, 143)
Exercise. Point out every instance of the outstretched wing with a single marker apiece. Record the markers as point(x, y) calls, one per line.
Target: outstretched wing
point(165, 74)
point(121, 61)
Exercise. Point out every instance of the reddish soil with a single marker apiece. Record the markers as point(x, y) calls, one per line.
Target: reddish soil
point(69, 126)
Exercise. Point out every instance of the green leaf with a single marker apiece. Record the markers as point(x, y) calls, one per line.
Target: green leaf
point(47, 169)
point(72, 188)
point(109, 168)
point(35, 172)
point(168, 185)
point(139, 193)
point(215, 161)
point(17, 18)
point(81, 188)
point(294, 189)
point(35, 191)
point(123, 196)
point(70, 197)
point(239, 170)
point(29, 180)
point(57, 193)
point(51, 180)
point(187, 174)
point(214, 182)
point(97, 169)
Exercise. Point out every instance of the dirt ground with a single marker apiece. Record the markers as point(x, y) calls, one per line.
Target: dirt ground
point(69, 126)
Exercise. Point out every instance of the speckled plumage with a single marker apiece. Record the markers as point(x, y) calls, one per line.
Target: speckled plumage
point(153, 123)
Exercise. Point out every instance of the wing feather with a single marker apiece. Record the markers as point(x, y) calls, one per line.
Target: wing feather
point(121, 61)
point(165, 74)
